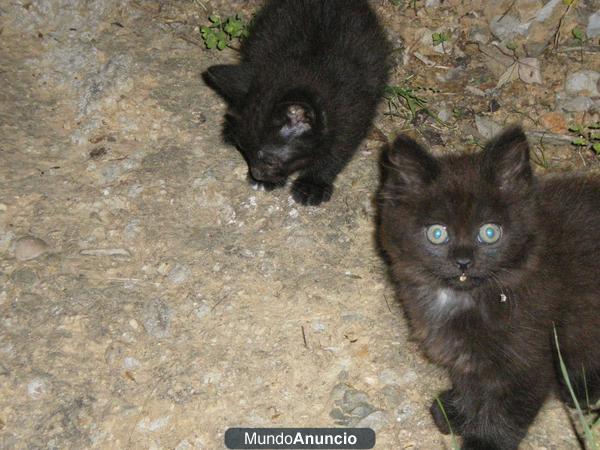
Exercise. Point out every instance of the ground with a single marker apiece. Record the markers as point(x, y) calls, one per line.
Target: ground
point(150, 299)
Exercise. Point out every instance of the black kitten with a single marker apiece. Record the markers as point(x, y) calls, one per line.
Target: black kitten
point(487, 259)
point(305, 93)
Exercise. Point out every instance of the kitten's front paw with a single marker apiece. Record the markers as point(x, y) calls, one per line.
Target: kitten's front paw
point(308, 192)
point(264, 185)
point(439, 417)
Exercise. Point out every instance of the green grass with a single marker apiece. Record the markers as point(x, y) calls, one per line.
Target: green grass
point(590, 439)
point(455, 445)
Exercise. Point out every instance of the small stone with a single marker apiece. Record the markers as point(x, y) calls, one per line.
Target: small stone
point(506, 27)
point(147, 425)
point(3, 207)
point(593, 28)
point(179, 274)
point(584, 82)
point(157, 319)
point(376, 421)
point(130, 363)
point(30, 247)
point(554, 121)
point(352, 399)
point(37, 388)
point(486, 127)
point(24, 277)
point(570, 103)
point(445, 113)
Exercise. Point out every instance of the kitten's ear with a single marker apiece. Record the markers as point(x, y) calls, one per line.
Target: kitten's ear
point(294, 118)
point(231, 81)
point(506, 160)
point(407, 166)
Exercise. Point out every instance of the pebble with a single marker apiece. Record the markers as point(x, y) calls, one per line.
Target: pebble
point(584, 82)
point(179, 274)
point(376, 421)
point(157, 319)
point(147, 425)
point(30, 247)
point(486, 127)
point(593, 29)
point(507, 27)
point(37, 388)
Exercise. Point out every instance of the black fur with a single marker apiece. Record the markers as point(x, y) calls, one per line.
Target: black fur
point(486, 312)
point(305, 92)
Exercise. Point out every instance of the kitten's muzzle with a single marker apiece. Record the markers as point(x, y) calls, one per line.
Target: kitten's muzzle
point(260, 173)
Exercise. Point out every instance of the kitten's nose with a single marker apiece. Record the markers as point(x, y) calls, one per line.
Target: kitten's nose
point(463, 263)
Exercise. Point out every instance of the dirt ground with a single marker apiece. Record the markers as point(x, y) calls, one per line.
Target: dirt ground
point(162, 300)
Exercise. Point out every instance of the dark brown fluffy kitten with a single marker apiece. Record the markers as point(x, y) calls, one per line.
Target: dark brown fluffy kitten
point(486, 259)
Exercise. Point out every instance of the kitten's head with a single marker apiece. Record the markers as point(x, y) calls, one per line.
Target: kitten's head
point(458, 221)
point(278, 133)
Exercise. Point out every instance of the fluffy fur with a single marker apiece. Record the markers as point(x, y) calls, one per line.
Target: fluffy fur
point(486, 312)
point(305, 92)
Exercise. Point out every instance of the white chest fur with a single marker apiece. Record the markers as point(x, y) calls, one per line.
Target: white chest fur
point(445, 303)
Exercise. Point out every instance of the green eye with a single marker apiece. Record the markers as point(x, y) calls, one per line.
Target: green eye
point(437, 234)
point(489, 233)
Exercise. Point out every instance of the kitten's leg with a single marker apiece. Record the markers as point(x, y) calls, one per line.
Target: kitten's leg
point(498, 412)
point(450, 413)
point(315, 185)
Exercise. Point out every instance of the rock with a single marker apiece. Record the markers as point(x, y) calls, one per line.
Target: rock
point(376, 421)
point(37, 388)
point(593, 29)
point(486, 127)
point(29, 247)
point(570, 103)
point(433, 3)
point(507, 27)
point(157, 319)
point(445, 113)
point(179, 274)
point(554, 121)
point(24, 277)
point(6, 240)
point(146, 425)
point(352, 399)
point(584, 82)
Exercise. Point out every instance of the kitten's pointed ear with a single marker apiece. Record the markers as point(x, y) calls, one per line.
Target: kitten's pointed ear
point(230, 81)
point(407, 166)
point(294, 118)
point(506, 160)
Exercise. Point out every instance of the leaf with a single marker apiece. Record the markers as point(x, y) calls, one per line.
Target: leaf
point(214, 19)
point(510, 74)
point(530, 71)
point(580, 142)
point(221, 45)
point(578, 34)
point(596, 148)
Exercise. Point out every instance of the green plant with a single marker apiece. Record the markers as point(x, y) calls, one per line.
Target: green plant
point(455, 445)
point(589, 436)
point(586, 136)
point(579, 36)
point(405, 97)
point(222, 33)
point(439, 39)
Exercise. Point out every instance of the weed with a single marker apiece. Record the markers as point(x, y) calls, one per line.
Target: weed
point(455, 445)
point(589, 436)
point(579, 36)
point(223, 33)
point(586, 136)
point(439, 39)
